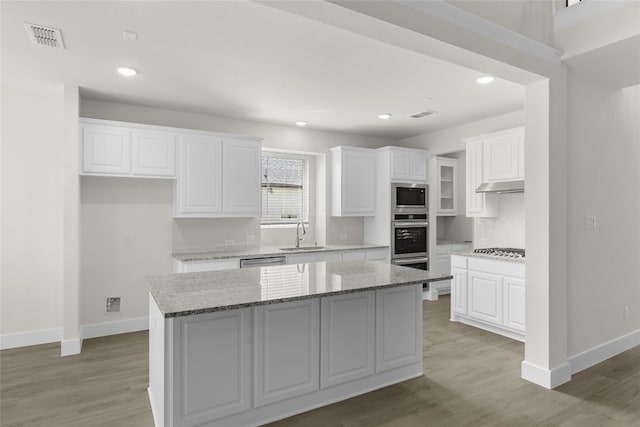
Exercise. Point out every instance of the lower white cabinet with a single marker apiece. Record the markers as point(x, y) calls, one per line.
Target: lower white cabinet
point(205, 265)
point(489, 294)
point(347, 337)
point(442, 264)
point(213, 349)
point(286, 350)
point(398, 331)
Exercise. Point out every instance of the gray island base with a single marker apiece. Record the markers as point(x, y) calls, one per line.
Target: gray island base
point(246, 347)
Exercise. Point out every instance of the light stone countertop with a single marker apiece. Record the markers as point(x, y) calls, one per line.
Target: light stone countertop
point(186, 294)
point(208, 254)
point(487, 256)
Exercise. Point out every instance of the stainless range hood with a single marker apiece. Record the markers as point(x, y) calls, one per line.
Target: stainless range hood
point(502, 187)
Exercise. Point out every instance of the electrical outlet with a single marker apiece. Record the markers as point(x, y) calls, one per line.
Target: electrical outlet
point(113, 305)
point(251, 239)
point(127, 241)
point(626, 312)
point(590, 222)
point(228, 242)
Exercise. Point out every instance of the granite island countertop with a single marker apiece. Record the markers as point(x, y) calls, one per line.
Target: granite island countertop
point(186, 294)
point(263, 251)
point(488, 256)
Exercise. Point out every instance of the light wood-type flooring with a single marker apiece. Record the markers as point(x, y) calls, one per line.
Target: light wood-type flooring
point(471, 378)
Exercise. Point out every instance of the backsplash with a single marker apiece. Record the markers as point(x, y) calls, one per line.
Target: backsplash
point(215, 233)
point(507, 230)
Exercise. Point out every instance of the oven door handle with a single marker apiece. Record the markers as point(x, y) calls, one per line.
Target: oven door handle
point(409, 260)
point(410, 224)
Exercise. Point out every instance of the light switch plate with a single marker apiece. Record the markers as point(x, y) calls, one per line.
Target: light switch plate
point(590, 222)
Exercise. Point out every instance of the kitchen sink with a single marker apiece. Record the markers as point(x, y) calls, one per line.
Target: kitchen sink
point(304, 248)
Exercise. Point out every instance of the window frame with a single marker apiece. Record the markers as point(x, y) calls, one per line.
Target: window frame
point(310, 178)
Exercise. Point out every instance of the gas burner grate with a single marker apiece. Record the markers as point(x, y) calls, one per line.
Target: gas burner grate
point(502, 252)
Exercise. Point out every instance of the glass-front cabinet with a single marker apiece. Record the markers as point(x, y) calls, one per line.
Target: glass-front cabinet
point(447, 183)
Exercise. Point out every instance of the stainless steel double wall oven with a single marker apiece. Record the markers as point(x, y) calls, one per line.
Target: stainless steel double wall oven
point(410, 225)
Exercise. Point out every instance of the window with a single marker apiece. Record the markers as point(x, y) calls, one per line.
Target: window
point(285, 188)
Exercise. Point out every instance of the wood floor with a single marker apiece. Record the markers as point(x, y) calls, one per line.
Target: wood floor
point(471, 378)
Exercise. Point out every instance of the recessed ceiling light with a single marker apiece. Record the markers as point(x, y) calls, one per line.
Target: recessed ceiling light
point(384, 116)
point(485, 80)
point(127, 71)
point(302, 123)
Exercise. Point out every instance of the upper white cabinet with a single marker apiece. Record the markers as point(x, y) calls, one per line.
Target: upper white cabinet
point(217, 178)
point(504, 156)
point(478, 204)
point(408, 165)
point(114, 149)
point(154, 154)
point(353, 172)
point(447, 186)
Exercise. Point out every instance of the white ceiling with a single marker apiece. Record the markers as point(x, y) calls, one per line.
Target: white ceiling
point(249, 61)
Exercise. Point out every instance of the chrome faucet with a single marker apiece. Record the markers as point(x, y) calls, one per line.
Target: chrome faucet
point(304, 231)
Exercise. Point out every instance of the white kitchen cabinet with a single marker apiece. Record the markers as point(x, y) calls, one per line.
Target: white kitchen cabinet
point(286, 350)
point(478, 204)
point(408, 165)
point(514, 303)
point(347, 337)
point(447, 186)
point(504, 156)
point(489, 294)
point(485, 296)
point(353, 172)
point(105, 150)
point(398, 339)
point(198, 187)
point(378, 254)
point(209, 350)
point(241, 177)
point(154, 154)
point(114, 149)
point(299, 258)
point(353, 256)
point(442, 264)
point(205, 265)
point(217, 178)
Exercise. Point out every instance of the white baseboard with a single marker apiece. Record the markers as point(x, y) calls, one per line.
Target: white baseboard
point(95, 330)
point(600, 353)
point(70, 347)
point(545, 377)
point(24, 339)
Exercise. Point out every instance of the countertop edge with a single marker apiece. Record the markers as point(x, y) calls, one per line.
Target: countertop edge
point(173, 315)
point(489, 257)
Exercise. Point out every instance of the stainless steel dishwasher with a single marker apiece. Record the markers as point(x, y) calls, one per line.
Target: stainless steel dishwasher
point(262, 262)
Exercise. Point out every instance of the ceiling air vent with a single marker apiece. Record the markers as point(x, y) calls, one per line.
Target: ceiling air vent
point(422, 114)
point(44, 36)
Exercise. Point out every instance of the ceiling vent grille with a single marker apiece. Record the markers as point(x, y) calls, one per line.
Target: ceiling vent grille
point(44, 36)
point(422, 114)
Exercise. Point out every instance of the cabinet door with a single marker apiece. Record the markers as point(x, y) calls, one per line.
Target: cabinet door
point(313, 257)
point(198, 184)
point(358, 170)
point(353, 255)
point(381, 254)
point(106, 150)
point(459, 291)
point(209, 350)
point(241, 178)
point(398, 327)
point(521, 155)
point(447, 187)
point(154, 154)
point(514, 303)
point(485, 296)
point(400, 166)
point(346, 338)
point(501, 158)
point(475, 201)
point(287, 348)
point(209, 265)
point(418, 166)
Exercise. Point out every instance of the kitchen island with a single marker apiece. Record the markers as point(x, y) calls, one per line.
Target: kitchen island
point(250, 346)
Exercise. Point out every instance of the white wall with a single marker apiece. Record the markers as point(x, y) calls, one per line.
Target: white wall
point(32, 210)
point(604, 180)
point(113, 208)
